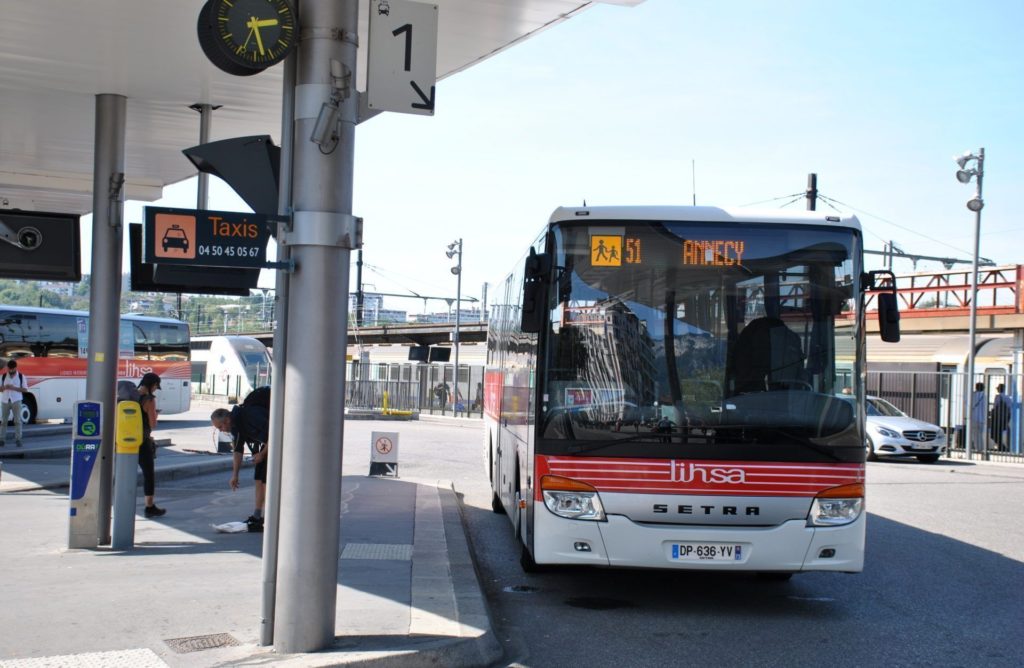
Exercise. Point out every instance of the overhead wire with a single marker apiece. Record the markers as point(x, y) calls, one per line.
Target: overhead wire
point(795, 199)
point(890, 222)
point(774, 199)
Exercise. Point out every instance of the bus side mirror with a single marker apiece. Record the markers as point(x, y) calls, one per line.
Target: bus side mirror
point(535, 275)
point(888, 317)
point(888, 308)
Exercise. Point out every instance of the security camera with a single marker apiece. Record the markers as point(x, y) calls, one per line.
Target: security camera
point(29, 238)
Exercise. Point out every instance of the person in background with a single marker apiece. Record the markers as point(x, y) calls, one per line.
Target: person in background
point(979, 411)
point(148, 386)
point(14, 387)
point(1000, 416)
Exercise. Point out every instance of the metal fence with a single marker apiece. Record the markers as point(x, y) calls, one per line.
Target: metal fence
point(419, 388)
point(939, 398)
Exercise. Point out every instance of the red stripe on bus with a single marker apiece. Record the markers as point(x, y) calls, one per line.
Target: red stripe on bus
point(681, 476)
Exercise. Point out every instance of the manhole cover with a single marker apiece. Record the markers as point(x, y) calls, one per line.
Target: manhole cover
point(520, 589)
point(200, 643)
point(595, 603)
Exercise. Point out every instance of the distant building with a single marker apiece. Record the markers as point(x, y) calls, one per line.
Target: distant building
point(62, 289)
point(374, 312)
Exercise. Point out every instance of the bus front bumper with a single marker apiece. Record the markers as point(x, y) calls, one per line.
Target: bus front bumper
point(621, 543)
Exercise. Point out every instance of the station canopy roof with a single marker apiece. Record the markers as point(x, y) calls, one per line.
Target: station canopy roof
point(57, 55)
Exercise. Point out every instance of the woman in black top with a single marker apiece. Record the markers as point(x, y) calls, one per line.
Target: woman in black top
point(149, 384)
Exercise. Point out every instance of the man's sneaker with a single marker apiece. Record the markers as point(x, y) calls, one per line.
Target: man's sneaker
point(254, 524)
point(154, 511)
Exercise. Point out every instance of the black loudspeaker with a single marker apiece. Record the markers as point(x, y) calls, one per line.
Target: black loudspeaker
point(180, 278)
point(440, 354)
point(42, 246)
point(250, 165)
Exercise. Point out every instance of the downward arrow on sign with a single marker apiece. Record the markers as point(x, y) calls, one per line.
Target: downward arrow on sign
point(428, 103)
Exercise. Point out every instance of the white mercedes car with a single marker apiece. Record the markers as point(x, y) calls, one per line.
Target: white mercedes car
point(893, 433)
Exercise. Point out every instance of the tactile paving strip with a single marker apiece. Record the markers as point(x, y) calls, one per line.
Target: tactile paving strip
point(128, 658)
point(397, 552)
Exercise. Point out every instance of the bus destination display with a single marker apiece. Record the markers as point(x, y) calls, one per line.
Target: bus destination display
point(615, 251)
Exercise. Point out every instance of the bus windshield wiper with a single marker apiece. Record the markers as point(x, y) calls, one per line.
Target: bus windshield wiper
point(657, 438)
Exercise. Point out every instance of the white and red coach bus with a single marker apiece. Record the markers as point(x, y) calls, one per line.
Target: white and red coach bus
point(663, 390)
point(51, 347)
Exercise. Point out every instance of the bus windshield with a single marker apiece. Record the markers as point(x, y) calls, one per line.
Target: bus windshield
point(703, 340)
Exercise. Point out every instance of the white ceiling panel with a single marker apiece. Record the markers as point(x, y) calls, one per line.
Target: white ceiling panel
point(57, 55)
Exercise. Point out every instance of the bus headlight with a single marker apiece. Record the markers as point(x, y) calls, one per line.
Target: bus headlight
point(837, 506)
point(571, 499)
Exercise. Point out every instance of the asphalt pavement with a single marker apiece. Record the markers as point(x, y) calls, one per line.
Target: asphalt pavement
point(187, 595)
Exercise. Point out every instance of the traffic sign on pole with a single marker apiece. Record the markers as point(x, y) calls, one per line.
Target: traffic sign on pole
point(402, 60)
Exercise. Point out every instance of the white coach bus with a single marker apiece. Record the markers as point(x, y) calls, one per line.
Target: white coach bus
point(661, 391)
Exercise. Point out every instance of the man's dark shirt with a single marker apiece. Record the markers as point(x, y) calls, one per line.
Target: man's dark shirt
point(249, 424)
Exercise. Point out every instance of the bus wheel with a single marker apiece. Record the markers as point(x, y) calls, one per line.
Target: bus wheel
point(872, 457)
point(28, 410)
point(526, 561)
point(928, 459)
point(496, 505)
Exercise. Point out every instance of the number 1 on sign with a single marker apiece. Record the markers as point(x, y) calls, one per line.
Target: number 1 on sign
point(407, 29)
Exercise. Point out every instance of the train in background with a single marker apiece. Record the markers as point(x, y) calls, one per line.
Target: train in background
point(229, 365)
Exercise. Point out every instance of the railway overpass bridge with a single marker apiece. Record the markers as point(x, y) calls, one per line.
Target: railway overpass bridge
point(940, 302)
point(930, 303)
point(418, 334)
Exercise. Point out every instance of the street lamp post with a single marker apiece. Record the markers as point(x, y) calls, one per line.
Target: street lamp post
point(975, 204)
point(455, 249)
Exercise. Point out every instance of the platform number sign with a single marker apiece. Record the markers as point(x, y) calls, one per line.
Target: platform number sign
point(402, 61)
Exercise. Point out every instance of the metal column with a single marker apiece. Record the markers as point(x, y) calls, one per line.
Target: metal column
point(205, 117)
point(105, 286)
point(275, 450)
point(1016, 391)
point(970, 445)
point(322, 236)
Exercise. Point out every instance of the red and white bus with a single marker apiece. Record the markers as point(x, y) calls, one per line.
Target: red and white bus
point(662, 391)
point(51, 347)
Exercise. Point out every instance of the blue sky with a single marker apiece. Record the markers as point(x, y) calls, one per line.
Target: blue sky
point(616, 104)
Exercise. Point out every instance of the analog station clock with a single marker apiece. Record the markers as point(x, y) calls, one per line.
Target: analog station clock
point(244, 37)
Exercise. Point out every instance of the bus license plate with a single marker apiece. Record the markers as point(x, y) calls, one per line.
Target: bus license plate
point(708, 552)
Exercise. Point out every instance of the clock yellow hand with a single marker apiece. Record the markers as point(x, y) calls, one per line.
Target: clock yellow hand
point(242, 48)
point(266, 23)
point(254, 25)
